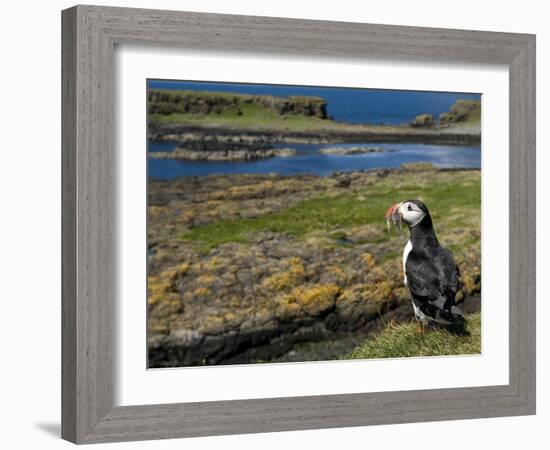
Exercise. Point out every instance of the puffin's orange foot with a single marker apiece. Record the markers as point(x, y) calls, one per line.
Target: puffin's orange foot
point(420, 328)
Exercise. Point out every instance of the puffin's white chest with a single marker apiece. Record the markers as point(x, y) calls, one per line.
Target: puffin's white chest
point(406, 252)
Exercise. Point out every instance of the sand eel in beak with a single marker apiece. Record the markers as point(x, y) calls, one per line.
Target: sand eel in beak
point(393, 216)
point(389, 216)
point(431, 274)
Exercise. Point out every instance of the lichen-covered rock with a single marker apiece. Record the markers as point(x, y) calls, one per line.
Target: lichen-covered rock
point(446, 118)
point(354, 150)
point(307, 301)
point(423, 120)
point(464, 110)
point(236, 154)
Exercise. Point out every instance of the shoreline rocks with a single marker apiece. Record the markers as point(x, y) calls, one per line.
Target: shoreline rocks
point(341, 151)
point(423, 120)
point(461, 112)
point(244, 154)
point(456, 134)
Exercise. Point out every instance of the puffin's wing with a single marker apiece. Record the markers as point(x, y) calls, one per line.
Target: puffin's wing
point(422, 278)
point(453, 272)
point(434, 283)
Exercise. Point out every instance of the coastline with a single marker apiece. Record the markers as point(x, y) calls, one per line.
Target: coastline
point(215, 117)
point(329, 133)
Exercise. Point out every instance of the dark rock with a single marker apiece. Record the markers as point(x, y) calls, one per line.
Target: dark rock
point(353, 150)
point(463, 110)
point(446, 118)
point(242, 154)
point(423, 120)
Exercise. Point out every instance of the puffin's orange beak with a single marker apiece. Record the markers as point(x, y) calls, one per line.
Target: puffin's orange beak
point(393, 215)
point(389, 212)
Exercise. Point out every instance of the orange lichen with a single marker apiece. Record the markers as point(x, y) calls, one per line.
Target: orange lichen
point(311, 300)
point(201, 292)
point(281, 281)
point(368, 260)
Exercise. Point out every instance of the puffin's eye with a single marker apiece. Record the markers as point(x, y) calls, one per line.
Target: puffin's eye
point(409, 208)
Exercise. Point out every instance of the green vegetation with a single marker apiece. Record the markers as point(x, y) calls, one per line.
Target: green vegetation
point(206, 103)
point(236, 110)
point(251, 117)
point(463, 111)
point(330, 213)
point(467, 110)
point(397, 341)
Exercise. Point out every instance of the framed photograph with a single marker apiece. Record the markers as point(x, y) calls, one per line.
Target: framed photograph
point(268, 222)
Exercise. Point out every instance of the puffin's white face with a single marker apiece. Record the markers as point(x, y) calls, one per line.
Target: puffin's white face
point(410, 213)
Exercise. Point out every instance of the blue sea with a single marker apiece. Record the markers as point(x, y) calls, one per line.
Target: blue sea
point(308, 159)
point(350, 105)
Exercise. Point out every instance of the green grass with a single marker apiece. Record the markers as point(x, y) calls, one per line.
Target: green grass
point(397, 341)
point(326, 214)
point(252, 117)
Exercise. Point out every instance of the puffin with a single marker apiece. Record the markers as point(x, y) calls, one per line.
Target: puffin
point(430, 271)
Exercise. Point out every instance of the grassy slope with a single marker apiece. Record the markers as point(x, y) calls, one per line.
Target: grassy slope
point(256, 118)
point(329, 214)
point(252, 117)
point(403, 340)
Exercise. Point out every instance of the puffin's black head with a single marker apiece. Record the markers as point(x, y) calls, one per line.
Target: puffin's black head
point(412, 212)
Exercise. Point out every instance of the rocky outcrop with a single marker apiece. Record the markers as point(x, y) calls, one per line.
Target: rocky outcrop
point(211, 103)
point(446, 118)
point(461, 112)
point(245, 154)
point(344, 133)
point(423, 120)
point(298, 105)
point(353, 150)
point(464, 110)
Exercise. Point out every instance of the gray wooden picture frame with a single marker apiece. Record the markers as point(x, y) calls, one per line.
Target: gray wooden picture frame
point(90, 34)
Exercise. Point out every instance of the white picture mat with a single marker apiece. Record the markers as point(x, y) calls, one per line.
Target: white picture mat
point(136, 385)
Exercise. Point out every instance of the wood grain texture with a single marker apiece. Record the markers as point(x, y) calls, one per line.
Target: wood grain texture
point(522, 225)
point(89, 36)
point(68, 225)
